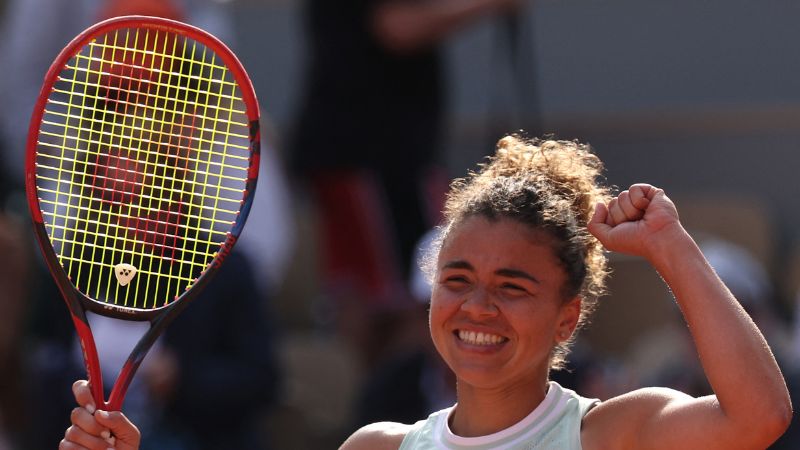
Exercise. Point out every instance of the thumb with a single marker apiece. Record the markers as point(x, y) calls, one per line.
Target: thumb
point(126, 434)
point(597, 224)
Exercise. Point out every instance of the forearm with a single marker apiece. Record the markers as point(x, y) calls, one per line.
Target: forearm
point(735, 356)
point(406, 26)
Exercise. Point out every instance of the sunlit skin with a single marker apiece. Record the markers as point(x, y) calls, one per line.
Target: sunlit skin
point(500, 278)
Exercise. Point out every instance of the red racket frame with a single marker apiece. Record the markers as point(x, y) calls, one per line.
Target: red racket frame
point(76, 301)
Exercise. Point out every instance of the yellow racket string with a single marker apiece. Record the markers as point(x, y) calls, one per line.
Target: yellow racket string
point(185, 95)
point(142, 160)
point(130, 128)
point(68, 233)
point(145, 83)
point(150, 166)
point(186, 228)
point(54, 205)
point(161, 129)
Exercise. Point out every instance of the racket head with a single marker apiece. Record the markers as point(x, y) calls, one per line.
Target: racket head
point(141, 164)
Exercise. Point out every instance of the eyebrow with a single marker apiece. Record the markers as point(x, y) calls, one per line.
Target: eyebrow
point(458, 264)
point(514, 273)
point(509, 273)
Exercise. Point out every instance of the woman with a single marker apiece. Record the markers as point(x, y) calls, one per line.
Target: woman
point(517, 271)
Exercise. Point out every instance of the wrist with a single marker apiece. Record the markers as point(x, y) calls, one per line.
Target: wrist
point(670, 246)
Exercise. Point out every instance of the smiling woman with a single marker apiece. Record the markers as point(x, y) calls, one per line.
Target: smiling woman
point(518, 266)
point(517, 269)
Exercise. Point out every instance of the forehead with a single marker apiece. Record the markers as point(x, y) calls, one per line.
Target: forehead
point(502, 242)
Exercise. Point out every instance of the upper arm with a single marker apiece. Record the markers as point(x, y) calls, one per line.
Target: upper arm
point(377, 436)
point(662, 419)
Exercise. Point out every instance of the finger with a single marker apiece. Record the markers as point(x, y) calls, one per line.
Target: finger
point(76, 435)
point(83, 395)
point(642, 194)
point(597, 224)
point(122, 428)
point(615, 213)
point(630, 211)
point(81, 418)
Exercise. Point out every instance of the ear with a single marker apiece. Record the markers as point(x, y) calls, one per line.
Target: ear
point(568, 317)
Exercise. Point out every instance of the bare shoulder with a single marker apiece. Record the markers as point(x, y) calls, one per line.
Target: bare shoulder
point(617, 421)
point(377, 436)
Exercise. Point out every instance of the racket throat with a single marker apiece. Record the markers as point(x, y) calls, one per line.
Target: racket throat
point(92, 359)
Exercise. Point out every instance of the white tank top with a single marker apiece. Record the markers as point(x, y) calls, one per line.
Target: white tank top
point(554, 425)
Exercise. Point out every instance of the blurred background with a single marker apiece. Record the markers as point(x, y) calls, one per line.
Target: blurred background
point(318, 325)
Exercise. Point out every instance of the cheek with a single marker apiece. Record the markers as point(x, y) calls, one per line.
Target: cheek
point(530, 318)
point(436, 314)
point(442, 308)
point(444, 303)
point(436, 320)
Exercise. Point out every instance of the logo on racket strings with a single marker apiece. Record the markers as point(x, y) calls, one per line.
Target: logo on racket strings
point(124, 273)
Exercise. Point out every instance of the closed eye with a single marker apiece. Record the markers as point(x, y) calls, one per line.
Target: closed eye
point(455, 282)
point(515, 290)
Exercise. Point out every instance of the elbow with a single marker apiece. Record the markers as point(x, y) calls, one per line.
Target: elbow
point(776, 421)
point(783, 417)
point(776, 412)
point(782, 412)
point(763, 424)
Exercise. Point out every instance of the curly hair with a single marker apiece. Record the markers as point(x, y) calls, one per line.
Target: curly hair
point(550, 185)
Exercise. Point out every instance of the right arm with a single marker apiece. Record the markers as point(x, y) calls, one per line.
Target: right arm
point(750, 407)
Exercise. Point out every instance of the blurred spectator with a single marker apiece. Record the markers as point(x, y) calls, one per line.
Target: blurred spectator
point(366, 140)
point(220, 356)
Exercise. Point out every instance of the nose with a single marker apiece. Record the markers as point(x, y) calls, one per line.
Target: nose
point(479, 303)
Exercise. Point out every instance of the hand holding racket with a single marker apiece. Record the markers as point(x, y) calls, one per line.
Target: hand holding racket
point(142, 159)
point(94, 428)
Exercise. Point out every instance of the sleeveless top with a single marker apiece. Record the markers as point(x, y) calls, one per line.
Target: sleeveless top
point(554, 425)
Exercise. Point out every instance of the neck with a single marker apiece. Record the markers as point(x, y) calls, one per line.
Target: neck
point(483, 411)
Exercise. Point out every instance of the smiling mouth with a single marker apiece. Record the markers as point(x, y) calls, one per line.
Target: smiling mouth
point(479, 338)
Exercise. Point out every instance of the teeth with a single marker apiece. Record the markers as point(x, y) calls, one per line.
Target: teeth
point(479, 338)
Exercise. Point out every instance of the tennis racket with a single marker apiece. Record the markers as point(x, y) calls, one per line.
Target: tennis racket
point(142, 160)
